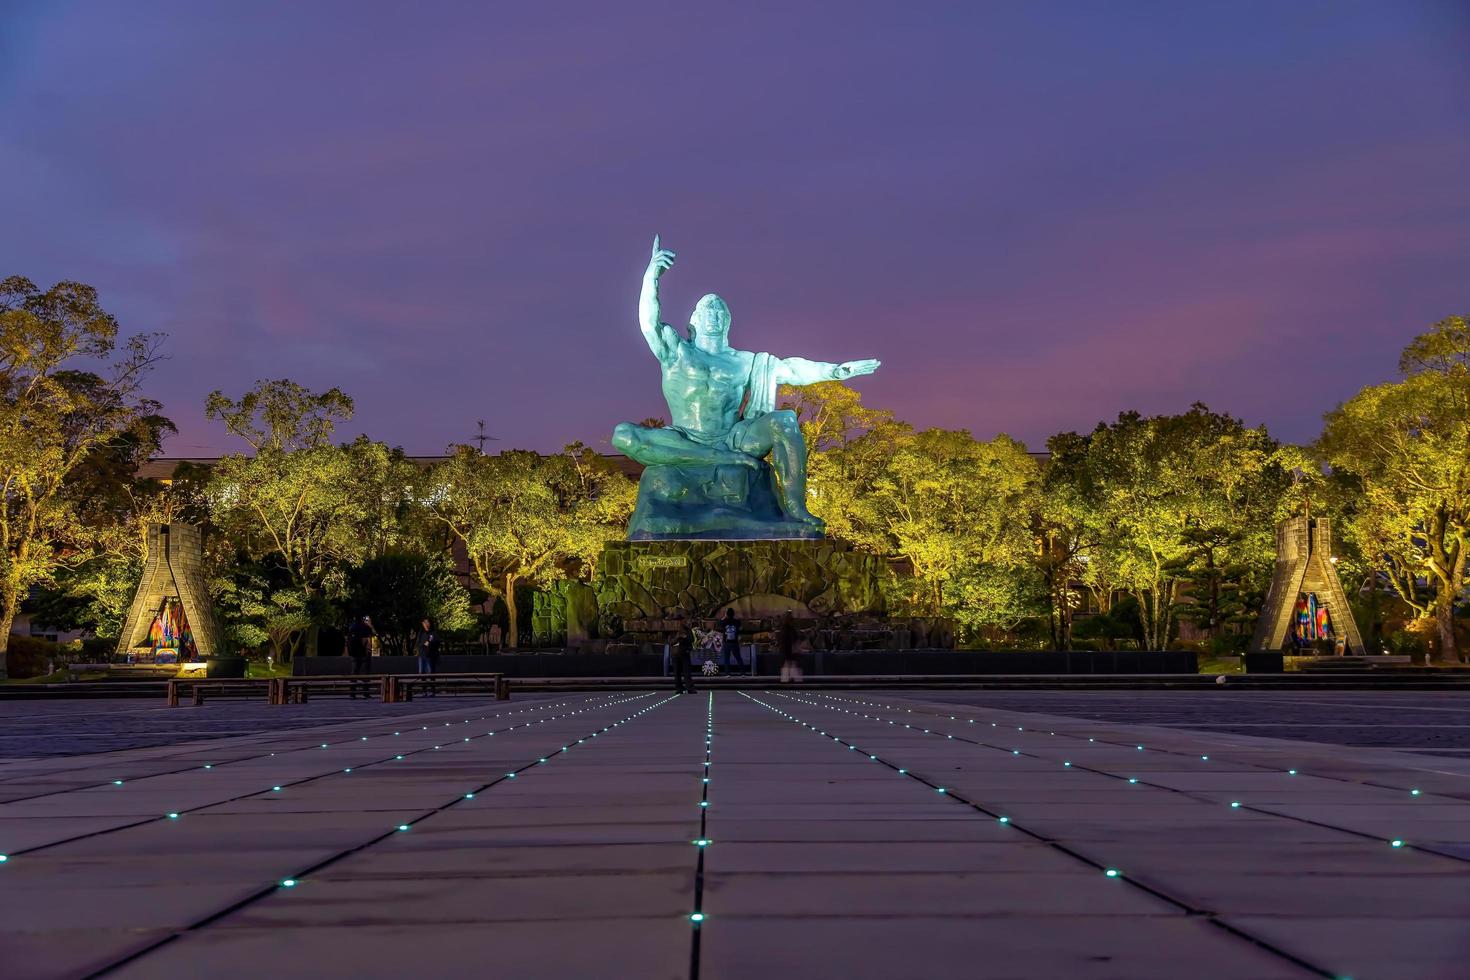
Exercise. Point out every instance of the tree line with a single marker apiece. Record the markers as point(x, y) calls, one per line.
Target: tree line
point(1119, 535)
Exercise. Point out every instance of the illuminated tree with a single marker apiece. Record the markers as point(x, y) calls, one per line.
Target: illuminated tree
point(317, 508)
point(1150, 492)
point(958, 511)
point(1408, 444)
point(955, 510)
point(1065, 533)
point(94, 585)
point(54, 416)
point(281, 415)
point(523, 517)
point(848, 446)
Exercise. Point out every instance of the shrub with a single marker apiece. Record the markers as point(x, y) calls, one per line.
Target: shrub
point(1407, 643)
point(29, 656)
point(1229, 644)
point(97, 649)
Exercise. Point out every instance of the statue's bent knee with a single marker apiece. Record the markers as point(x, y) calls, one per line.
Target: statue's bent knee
point(785, 420)
point(625, 437)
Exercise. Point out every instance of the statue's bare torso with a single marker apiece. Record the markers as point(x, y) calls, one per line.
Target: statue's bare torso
point(705, 391)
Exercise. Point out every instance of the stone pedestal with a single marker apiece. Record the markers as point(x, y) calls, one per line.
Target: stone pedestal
point(726, 502)
point(643, 580)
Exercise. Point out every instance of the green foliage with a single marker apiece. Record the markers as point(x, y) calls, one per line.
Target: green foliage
point(400, 589)
point(1120, 627)
point(1406, 444)
point(315, 509)
point(523, 517)
point(242, 592)
point(956, 511)
point(1163, 499)
point(94, 596)
point(281, 415)
point(29, 656)
point(56, 416)
point(848, 447)
point(93, 587)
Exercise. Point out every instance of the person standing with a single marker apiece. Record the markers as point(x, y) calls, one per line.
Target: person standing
point(680, 646)
point(730, 645)
point(786, 646)
point(426, 644)
point(360, 637)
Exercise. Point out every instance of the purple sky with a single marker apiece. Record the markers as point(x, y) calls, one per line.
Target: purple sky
point(1036, 214)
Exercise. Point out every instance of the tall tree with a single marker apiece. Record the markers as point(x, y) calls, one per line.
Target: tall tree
point(1152, 488)
point(281, 415)
point(523, 517)
point(54, 415)
point(402, 588)
point(1065, 533)
point(94, 585)
point(958, 511)
point(848, 446)
point(318, 508)
point(1408, 443)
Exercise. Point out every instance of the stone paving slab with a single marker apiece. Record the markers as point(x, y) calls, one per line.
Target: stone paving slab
point(822, 861)
point(959, 948)
point(649, 949)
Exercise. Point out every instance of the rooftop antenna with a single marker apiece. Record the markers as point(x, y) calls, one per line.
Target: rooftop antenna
point(482, 438)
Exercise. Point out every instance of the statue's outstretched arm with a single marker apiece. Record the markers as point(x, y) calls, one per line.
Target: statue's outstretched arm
point(800, 371)
point(662, 339)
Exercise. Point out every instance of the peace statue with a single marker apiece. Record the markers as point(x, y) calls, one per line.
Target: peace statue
point(707, 476)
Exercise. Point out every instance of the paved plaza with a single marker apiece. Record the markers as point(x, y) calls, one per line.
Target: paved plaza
point(765, 833)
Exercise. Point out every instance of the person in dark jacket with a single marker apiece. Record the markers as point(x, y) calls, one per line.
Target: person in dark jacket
point(360, 648)
point(786, 646)
point(426, 645)
point(730, 640)
point(680, 646)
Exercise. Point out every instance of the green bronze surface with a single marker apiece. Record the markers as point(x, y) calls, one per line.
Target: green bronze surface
point(723, 419)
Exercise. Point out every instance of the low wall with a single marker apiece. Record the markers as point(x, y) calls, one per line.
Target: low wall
point(898, 663)
point(992, 662)
point(509, 664)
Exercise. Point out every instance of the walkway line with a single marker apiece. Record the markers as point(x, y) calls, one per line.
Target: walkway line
point(176, 814)
point(1071, 852)
point(1200, 732)
point(231, 762)
point(296, 879)
point(1187, 794)
point(702, 842)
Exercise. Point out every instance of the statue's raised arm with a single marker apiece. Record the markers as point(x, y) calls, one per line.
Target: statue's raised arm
point(662, 339)
point(800, 371)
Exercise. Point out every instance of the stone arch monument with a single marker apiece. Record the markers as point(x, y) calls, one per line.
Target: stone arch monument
point(1306, 602)
point(172, 619)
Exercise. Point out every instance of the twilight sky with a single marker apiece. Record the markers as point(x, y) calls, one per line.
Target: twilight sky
point(1037, 214)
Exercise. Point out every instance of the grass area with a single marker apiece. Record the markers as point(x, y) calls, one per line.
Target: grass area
point(1220, 665)
point(252, 669)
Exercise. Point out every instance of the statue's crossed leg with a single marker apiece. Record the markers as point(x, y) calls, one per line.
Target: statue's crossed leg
point(776, 434)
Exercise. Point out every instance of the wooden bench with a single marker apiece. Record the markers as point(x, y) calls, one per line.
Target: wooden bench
point(402, 687)
point(198, 687)
point(297, 690)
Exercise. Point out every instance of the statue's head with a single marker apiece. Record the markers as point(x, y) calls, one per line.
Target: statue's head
point(710, 319)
